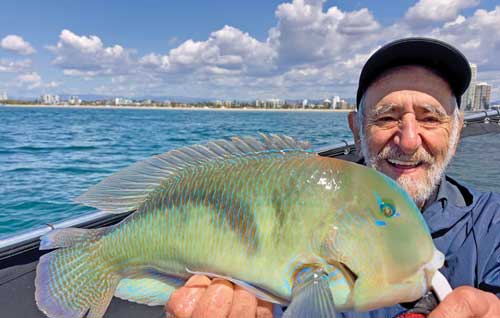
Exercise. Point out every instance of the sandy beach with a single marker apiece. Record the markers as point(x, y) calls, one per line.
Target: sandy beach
point(179, 108)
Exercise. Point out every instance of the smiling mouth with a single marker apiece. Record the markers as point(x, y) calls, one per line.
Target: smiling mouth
point(404, 165)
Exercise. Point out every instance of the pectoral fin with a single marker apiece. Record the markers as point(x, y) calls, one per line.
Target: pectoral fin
point(311, 297)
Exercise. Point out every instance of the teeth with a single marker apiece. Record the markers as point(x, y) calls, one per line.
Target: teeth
point(403, 163)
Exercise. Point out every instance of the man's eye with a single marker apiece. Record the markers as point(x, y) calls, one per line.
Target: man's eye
point(431, 120)
point(386, 119)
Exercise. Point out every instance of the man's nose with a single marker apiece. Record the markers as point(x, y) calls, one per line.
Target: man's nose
point(408, 138)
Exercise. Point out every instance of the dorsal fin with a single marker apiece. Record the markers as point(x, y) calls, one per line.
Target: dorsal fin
point(126, 189)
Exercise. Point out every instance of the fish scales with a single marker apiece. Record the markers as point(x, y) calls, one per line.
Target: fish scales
point(258, 215)
point(186, 206)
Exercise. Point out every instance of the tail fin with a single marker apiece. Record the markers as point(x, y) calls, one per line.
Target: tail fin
point(73, 280)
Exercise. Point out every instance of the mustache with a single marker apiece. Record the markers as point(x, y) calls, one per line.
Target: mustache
point(421, 155)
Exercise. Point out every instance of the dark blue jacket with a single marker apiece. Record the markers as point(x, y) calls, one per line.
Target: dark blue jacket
point(465, 226)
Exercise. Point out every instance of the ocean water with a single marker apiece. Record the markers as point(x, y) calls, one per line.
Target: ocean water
point(50, 155)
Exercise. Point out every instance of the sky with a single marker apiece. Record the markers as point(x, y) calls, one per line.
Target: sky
point(225, 49)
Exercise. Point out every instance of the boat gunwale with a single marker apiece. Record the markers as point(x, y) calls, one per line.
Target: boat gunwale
point(29, 238)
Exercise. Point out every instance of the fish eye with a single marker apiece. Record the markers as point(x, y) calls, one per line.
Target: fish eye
point(387, 209)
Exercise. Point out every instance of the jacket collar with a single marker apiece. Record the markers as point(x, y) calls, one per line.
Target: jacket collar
point(448, 191)
point(452, 203)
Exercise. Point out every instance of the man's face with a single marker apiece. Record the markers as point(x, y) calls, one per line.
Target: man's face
point(409, 131)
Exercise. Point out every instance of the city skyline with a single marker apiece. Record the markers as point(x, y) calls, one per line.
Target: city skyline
point(478, 94)
point(221, 50)
point(476, 97)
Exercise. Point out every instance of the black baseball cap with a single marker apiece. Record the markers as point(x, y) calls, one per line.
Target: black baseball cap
point(444, 59)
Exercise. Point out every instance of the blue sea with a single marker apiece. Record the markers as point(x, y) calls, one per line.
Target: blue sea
point(50, 155)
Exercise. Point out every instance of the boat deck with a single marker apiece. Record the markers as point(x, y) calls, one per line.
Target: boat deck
point(17, 299)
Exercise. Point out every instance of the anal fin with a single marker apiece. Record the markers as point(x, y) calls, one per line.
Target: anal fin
point(154, 289)
point(97, 310)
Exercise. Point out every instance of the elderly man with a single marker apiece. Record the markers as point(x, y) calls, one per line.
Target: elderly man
point(407, 126)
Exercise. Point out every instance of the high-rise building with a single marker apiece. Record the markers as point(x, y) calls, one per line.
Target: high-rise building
point(74, 100)
point(482, 96)
point(335, 101)
point(467, 101)
point(3, 96)
point(343, 104)
point(275, 103)
point(122, 101)
point(50, 99)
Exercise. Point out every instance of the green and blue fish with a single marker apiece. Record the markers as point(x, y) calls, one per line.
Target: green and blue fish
point(316, 234)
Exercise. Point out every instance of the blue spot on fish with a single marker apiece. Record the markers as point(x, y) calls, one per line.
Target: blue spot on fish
point(379, 200)
point(380, 223)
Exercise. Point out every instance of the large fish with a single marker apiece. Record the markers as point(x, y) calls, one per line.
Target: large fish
point(317, 234)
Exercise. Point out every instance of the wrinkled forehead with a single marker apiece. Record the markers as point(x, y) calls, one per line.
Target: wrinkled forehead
point(410, 85)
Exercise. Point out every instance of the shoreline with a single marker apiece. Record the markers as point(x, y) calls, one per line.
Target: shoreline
point(178, 108)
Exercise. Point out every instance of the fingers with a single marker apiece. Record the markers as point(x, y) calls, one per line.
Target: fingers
point(200, 297)
point(467, 302)
point(216, 301)
point(244, 304)
point(264, 309)
point(183, 301)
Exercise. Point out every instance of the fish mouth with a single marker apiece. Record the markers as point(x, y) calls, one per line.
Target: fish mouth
point(366, 294)
point(430, 268)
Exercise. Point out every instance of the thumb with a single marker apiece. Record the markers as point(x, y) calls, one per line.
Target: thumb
point(463, 302)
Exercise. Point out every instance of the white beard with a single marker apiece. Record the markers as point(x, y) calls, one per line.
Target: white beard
point(419, 190)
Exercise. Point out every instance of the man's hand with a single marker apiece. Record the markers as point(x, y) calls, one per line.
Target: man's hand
point(201, 297)
point(468, 302)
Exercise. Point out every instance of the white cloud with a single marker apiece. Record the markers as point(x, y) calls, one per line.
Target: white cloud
point(306, 34)
point(227, 51)
point(17, 44)
point(312, 51)
point(52, 84)
point(358, 22)
point(459, 20)
point(8, 66)
point(76, 72)
point(478, 36)
point(30, 80)
point(307, 42)
point(431, 11)
point(87, 54)
point(86, 44)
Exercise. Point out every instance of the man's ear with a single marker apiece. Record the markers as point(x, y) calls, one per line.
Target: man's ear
point(460, 127)
point(461, 122)
point(353, 125)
